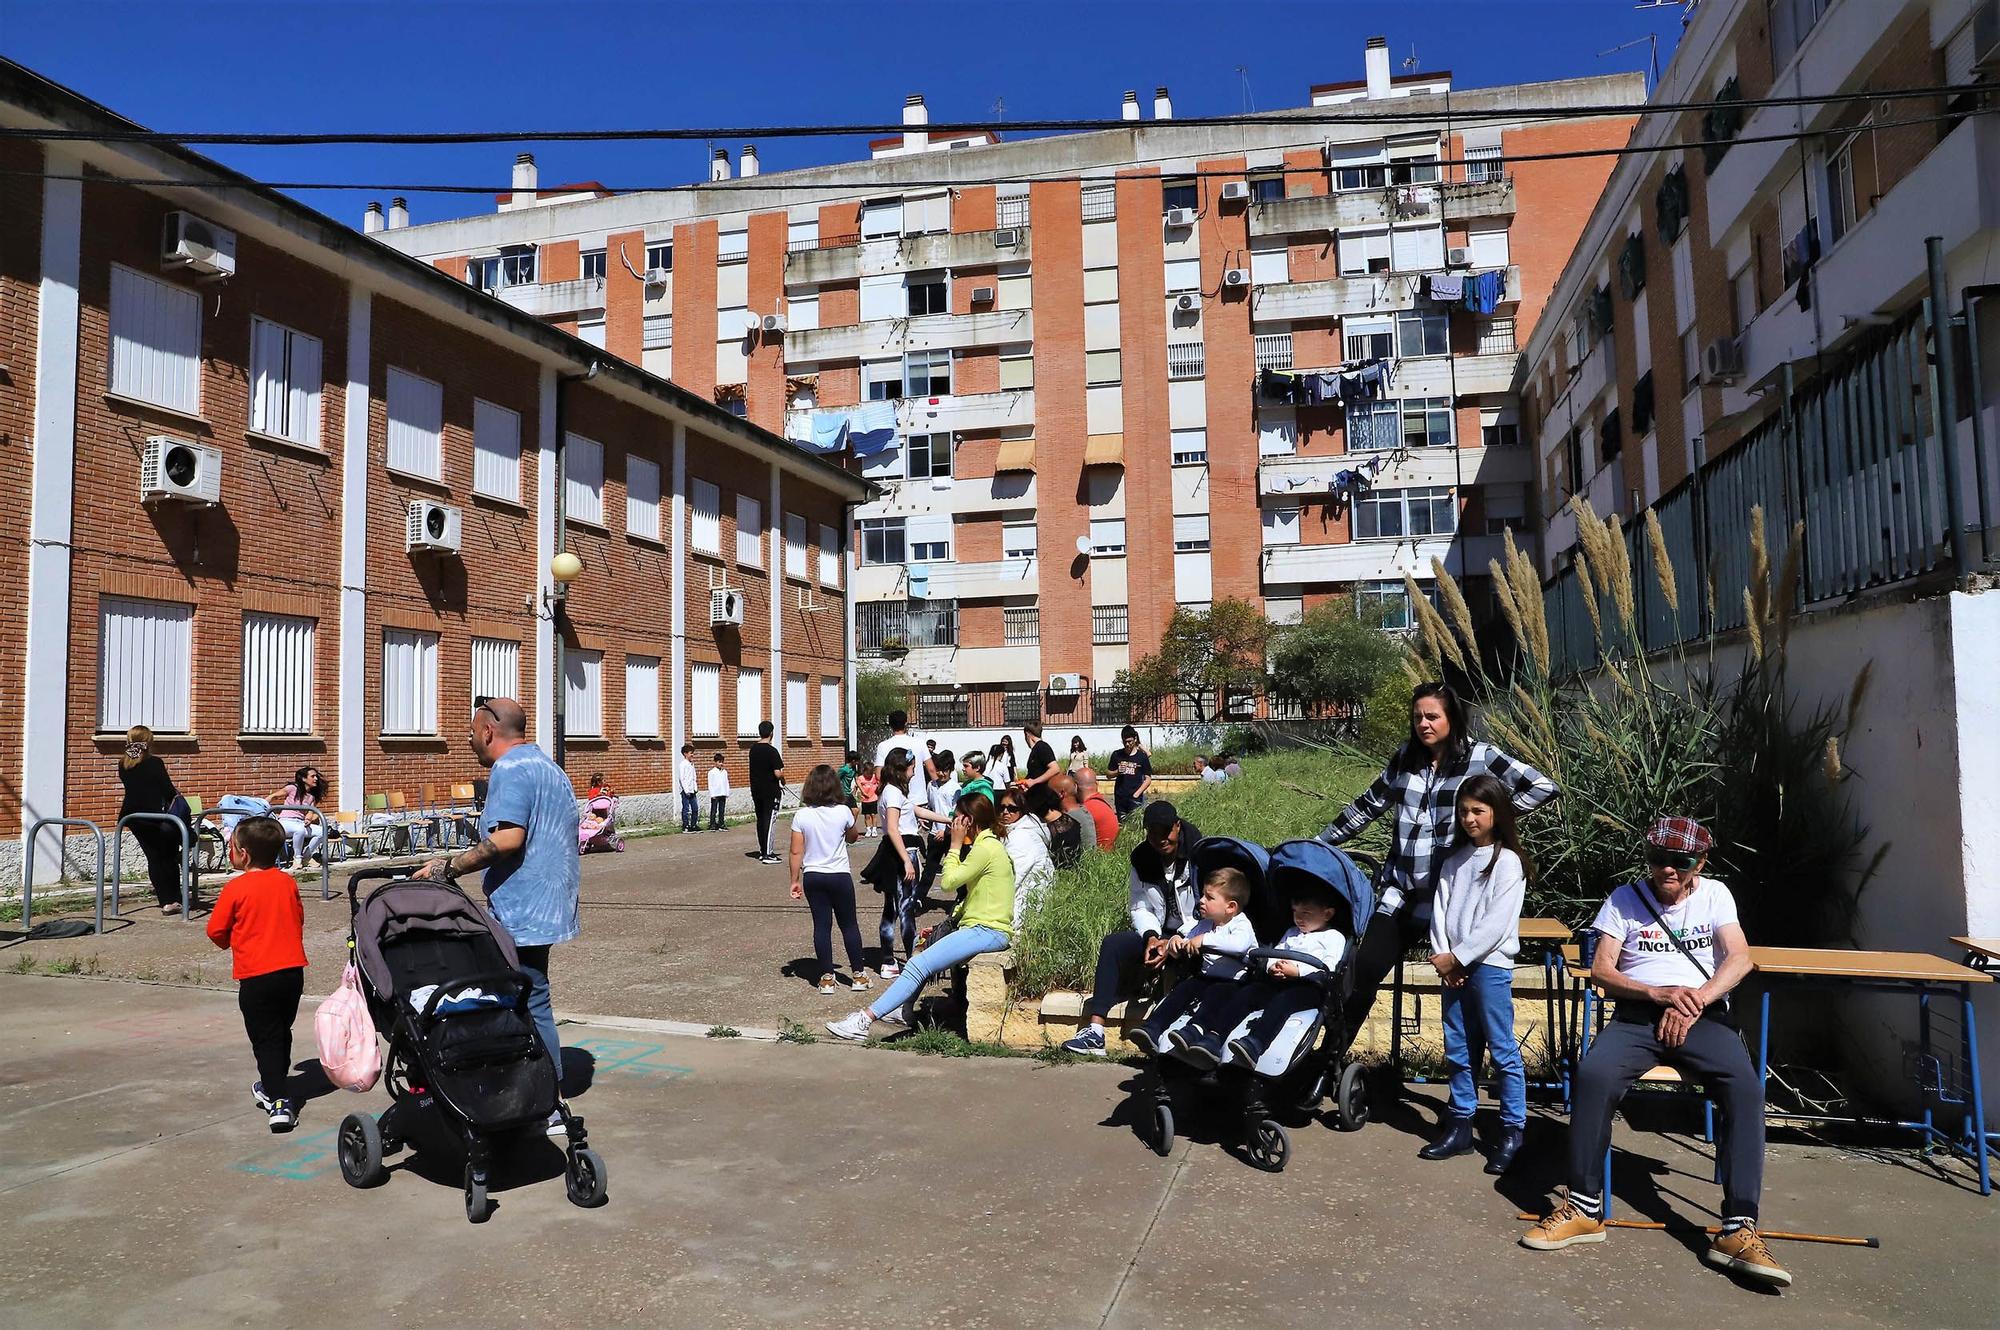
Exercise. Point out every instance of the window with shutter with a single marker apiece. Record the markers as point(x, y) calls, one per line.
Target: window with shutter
point(795, 706)
point(642, 498)
point(705, 700)
point(155, 341)
point(496, 451)
point(642, 697)
point(705, 517)
point(277, 674)
point(749, 531)
point(496, 667)
point(749, 700)
point(829, 708)
point(583, 693)
point(829, 556)
point(795, 545)
point(1632, 266)
point(416, 425)
point(144, 664)
point(409, 682)
point(1670, 205)
point(284, 383)
point(583, 480)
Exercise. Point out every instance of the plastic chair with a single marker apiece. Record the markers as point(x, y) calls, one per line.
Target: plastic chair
point(208, 842)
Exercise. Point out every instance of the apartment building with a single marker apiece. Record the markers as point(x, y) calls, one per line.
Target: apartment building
point(1050, 354)
point(288, 497)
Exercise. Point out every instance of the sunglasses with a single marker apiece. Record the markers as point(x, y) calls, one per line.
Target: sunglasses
point(1672, 859)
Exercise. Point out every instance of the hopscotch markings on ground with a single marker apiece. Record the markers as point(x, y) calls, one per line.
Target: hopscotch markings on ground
point(298, 1160)
point(630, 1056)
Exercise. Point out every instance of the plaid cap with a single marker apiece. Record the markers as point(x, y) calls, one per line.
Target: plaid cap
point(1680, 833)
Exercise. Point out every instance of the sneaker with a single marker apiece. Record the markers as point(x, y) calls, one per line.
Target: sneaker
point(1089, 1041)
point(1565, 1226)
point(771, 859)
point(1742, 1251)
point(555, 1126)
point(283, 1117)
point(264, 1101)
point(889, 969)
point(1200, 1051)
point(826, 984)
point(1142, 1039)
point(855, 1026)
point(858, 982)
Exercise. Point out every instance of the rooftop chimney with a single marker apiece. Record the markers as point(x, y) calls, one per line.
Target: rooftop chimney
point(524, 173)
point(916, 137)
point(1377, 57)
point(1163, 106)
point(747, 161)
point(371, 220)
point(1130, 111)
point(399, 214)
point(719, 168)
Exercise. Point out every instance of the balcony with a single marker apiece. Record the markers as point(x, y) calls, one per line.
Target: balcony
point(830, 261)
point(984, 581)
point(547, 300)
point(969, 411)
point(1352, 208)
point(1312, 477)
point(1337, 297)
point(1377, 560)
point(927, 332)
point(1438, 376)
point(1465, 200)
point(851, 259)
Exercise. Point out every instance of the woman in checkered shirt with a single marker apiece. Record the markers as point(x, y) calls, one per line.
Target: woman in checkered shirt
point(1421, 785)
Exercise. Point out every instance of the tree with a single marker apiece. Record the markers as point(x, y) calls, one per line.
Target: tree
point(1333, 658)
point(877, 692)
point(1204, 656)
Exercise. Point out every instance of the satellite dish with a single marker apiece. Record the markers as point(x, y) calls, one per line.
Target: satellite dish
point(1083, 545)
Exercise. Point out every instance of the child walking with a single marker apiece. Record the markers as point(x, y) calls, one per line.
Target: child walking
point(868, 790)
point(258, 917)
point(718, 793)
point(1475, 935)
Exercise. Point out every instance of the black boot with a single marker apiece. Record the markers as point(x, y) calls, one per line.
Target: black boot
point(1505, 1147)
point(1454, 1139)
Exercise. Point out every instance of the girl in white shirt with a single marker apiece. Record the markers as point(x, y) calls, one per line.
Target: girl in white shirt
point(823, 878)
point(893, 870)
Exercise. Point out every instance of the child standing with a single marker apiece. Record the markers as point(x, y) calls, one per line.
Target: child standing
point(718, 793)
point(1475, 935)
point(258, 917)
point(1217, 937)
point(868, 788)
point(849, 768)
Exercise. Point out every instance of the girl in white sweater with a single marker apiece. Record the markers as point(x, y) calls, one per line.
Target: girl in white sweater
point(1475, 935)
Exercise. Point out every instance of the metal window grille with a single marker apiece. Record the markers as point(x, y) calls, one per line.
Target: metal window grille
point(1021, 705)
point(1023, 625)
point(1109, 625)
point(1186, 360)
point(1274, 351)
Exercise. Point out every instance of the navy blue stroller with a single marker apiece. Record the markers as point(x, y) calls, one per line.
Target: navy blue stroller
point(1308, 1057)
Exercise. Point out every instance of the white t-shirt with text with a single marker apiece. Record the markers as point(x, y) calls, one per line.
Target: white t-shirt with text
point(824, 827)
point(1646, 954)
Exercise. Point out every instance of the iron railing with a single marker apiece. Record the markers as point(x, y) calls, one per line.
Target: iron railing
point(1186, 360)
point(1274, 350)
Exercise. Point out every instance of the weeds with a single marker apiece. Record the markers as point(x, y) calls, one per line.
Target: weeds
point(794, 1032)
point(936, 1041)
point(724, 1032)
point(23, 964)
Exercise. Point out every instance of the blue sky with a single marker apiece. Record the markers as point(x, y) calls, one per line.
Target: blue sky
point(284, 65)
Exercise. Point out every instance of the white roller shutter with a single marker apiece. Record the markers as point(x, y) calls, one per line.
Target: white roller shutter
point(277, 674)
point(144, 664)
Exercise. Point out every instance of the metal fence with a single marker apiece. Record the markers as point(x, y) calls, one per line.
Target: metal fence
point(1005, 707)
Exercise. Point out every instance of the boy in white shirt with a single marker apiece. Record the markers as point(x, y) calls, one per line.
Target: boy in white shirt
point(1218, 935)
point(718, 793)
point(935, 814)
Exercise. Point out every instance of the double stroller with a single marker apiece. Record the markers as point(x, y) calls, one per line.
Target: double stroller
point(1307, 1060)
point(444, 985)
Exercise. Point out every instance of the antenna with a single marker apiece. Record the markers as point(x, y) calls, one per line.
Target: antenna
point(1410, 60)
point(999, 108)
point(1243, 76)
point(1652, 41)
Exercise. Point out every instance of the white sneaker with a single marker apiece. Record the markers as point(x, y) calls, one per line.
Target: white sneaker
point(854, 1027)
point(889, 969)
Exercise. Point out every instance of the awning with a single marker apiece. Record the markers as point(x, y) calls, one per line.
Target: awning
point(1015, 455)
point(1105, 450)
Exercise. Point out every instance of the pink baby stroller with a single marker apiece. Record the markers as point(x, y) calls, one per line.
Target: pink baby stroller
point(597, 829)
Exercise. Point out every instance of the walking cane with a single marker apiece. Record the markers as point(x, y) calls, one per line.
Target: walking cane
point(1832, 1239)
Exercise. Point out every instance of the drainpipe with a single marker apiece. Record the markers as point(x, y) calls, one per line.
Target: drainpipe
point(1969, 300)
point(1945, 408)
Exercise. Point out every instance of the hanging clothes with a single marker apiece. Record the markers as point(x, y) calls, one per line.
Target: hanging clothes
point(1274, 386)
point(1483, 291)
point(872, 428)
point(829, 432)
point(1447, 287)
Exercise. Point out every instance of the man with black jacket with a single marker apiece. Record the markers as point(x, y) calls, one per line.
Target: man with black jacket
point(767, 783)
point(1164, 891)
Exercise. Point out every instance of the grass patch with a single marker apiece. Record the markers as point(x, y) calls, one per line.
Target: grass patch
point(23, 963)
point(936, 1041)
point(724, 1032)
point(1057, 944)
point(794, 1032)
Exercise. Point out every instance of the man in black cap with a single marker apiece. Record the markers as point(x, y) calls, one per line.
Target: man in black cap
point(1163, 888)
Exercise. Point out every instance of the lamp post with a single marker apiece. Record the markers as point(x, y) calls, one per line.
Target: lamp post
point(563, 569)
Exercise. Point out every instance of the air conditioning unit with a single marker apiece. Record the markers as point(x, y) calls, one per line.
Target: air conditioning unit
point(1065, 683)
point(725, 606)
point(1458, 256)
point(179, 469)
point(1181, 217)
point(774, 323)
point(1187, 302)
point(1722, 361)
point(659, 276)
point(1007, 237)
point(982, 295)
point(1236, 277)
point(1236, 191)
point(431, 526)
point(186, 241)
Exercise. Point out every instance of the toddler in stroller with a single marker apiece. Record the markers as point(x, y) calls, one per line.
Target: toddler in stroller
point(1276, 1037)
point(597, 829)
point(444, 985)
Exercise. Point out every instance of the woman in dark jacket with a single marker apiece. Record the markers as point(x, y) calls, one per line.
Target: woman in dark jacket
point(149, 789)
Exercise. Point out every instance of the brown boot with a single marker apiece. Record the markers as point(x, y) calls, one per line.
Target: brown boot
point(1742, 1251)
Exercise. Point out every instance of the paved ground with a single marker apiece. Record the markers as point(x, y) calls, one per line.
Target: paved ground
point(756, 1184)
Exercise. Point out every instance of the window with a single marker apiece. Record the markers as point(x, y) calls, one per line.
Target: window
point(1842, 210)
point(1422, 332)
point(829, 556)
point(795, 706)
point(929, 538)
point(1267, 188)
point(144, 664)
point(829, 708)
point(1370, 338)
point(1426, 421)
point(1358, 165)
point(1506, 508)
point(749, 700)
point(284, 382)
point(1374, 427)
point(1496, 336)
point(1016, 290)
point(1100, 286)
point(416, 425)
point(1109, 625)
point(927, 212)
point(927, 456)
point(1017, 368)
point(1632, 268)
point(1743, 297)
point(802, 309)
point(409, 682)
point(732, 246)
point(916, 623)
point(496, 452)
point(881, 380)
point(749, 532)
point(496, 667)
point(583, 480)
point(1107, 536)
point(1388, 602)
point(1180, 194)
point(642, 697)
point(1642, 406)
point(1573, 457)
point(1426, 511)
point(642, 498)
point(882, 540)
point(705, 518)
point(583, 693)
point(591, 330)
point(1610, 438)
point(1187, 360)
point(277, 674)
point(1277, 435)
point(1690, 359)
point(881, 217)
point(1021, 625)
point(1191, 533)
point(1281, 525)
point(1416, 248)
point(1363, 252)
point(592, 264)
point(660, 257)
point(927, 374)
point(1190, 446)
point(1791, 20)
point(1017, 540)
point(927, 293)
point(795, 546)
point(1285, 611)
point(1101, 367)
point(1484, 164)
point(802, 235)
point(1499, 426)
point(1270, 261)
point(705, 698)
point(1100, 203)
point(1489, 246)
point(1415, 169)
point(1183, 275)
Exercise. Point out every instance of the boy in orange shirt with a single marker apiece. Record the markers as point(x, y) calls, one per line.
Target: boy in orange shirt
point(260, 919)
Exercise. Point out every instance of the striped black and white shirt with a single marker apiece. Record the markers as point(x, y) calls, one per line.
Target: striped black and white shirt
point(1425, 799)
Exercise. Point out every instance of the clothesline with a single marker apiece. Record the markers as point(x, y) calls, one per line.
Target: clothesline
point(1354, 381)
point(868, 429)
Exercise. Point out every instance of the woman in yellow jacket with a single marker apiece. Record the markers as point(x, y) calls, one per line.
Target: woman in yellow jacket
point(984, 920)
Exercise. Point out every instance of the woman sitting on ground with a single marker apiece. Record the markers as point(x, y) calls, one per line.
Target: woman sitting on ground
point(975, 866)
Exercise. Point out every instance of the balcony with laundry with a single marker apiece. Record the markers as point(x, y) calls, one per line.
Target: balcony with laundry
point(922, 332)
point(1380, 291)
point(1452, 201)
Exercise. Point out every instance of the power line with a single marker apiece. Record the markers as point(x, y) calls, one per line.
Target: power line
point(761, 186)
point(1304, 116)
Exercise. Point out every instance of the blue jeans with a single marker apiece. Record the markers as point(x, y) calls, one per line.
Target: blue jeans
point(541, 1008)
point(690, 813)
point(1486, 1005)
point(954, 948)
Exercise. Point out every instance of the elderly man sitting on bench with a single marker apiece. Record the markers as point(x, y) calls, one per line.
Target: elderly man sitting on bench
point(1668, 954)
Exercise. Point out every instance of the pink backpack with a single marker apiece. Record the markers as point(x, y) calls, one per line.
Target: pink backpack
point(348, 1051)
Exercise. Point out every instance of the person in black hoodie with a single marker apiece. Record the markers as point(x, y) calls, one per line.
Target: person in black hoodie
point(1164, 890)
point(149, 789)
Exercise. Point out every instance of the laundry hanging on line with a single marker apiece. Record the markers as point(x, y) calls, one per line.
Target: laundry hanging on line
point(1356, 381)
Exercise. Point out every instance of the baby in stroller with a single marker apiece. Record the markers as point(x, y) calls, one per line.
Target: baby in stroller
point(597, 829)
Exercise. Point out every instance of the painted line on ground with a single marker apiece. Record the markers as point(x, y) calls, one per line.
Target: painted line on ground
point(646, 1025)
